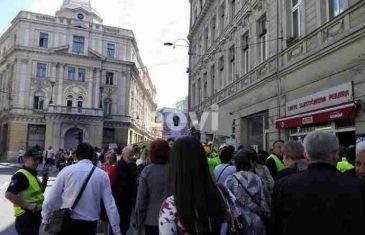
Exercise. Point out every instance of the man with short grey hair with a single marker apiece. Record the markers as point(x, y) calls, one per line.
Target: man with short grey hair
point(320, 200)
point(293, 159)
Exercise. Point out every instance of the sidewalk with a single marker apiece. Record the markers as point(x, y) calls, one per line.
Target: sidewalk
point(18, 165)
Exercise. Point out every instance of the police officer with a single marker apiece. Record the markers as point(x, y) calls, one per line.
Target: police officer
point(275, 161)
point(26, 193)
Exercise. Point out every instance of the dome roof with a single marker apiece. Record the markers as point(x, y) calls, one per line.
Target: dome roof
point(74, 4)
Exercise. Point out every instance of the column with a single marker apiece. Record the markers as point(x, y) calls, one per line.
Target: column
point(97, 88)
point(24, 84)
point(90, 88)
point(59, 85)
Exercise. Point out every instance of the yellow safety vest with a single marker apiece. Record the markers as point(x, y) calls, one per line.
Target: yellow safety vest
point(33, 194)
point(344, 165)
point(279, 164)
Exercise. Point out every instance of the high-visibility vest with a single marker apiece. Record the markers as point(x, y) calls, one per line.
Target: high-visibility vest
point(344, 165)
point(33, 194)
point(212, 163)
point(279, 164)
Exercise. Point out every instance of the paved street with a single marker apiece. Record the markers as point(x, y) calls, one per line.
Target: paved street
point(7, 218)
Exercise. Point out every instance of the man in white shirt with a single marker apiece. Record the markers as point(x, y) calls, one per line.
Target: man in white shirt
point(66, 188)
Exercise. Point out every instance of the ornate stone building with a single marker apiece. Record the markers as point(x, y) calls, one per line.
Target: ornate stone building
point(67, 78)
point(279, 68)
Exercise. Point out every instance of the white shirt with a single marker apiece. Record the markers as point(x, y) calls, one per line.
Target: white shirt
point(67, 186)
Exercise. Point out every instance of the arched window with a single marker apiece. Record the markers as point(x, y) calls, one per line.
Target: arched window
point(108, 106)
point(69, 102)
point(38, 100)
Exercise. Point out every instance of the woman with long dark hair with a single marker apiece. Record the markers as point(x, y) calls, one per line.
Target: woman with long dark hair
point(194, 205)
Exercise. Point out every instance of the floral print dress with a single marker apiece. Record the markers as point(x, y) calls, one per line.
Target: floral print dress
point(168, 221)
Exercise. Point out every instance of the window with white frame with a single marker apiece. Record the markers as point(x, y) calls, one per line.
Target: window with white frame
point(111, 50)
point(38, 102)
point(81, 75)
point(245, 53)
point(232, 61)
point(297, 18)
point(336, 7)
point(263, 38)
point(43, 40)
point(41, 70)
point(109, 78)
point(78, 45)
point(72, 73)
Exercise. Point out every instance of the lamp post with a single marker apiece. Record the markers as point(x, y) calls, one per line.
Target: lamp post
point(174, 45)
point(101, 97)
point(52, 86)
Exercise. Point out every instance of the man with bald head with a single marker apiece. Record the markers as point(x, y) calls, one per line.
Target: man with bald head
point(125, 186)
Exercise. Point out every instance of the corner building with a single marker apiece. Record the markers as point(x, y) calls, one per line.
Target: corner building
point(279, 69)
point(68, 76)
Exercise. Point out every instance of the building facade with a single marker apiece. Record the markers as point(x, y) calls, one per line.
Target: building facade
point(182, 105)
point(68, 78)
point(279, 69)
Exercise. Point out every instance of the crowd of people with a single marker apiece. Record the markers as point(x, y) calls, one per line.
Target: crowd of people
point(183, 187)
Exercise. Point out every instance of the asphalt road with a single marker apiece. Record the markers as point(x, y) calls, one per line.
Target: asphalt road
point(7, 213)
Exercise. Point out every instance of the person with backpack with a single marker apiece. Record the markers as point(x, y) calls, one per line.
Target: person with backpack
point(250, 192)
point(194, 205)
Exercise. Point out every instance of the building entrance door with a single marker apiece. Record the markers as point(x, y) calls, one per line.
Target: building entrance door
point(72, 138)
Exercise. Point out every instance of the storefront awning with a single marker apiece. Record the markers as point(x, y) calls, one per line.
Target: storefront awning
point(346, 111)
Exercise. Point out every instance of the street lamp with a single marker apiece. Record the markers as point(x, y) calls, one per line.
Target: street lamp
point(52, 86)
point(101, 97)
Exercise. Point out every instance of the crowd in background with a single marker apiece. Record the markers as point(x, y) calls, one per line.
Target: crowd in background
point(183, 187)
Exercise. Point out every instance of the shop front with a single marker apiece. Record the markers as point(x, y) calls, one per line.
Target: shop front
point(332, 110)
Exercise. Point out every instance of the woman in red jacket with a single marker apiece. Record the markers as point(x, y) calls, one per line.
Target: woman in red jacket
point(109, 166)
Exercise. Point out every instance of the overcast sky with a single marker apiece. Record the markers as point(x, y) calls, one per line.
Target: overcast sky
point(153, 22)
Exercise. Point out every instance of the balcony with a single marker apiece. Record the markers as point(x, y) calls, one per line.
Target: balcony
point(75, 111)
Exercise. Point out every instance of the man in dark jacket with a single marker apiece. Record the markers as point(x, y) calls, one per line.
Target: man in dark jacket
point(319, 200)
point(293, 159)
point(125, 187)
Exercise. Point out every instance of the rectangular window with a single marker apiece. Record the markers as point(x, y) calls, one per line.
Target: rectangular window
point(206, 38)
point(233, 9)
point(245, 53)
point(336, 7)
point(297, 18)
point(78, 44)
point(263, 38)
point(199, 91)
point(212, 30)
point(82, 73)
point(71, 73)
point(221, 73)
point(109, 78)
point(41, 70)
point(232, 59)
point(43, 40)
point(212, 80)
point(222, 10)
point(193, 95)
point(111, 50)
point(205, 87)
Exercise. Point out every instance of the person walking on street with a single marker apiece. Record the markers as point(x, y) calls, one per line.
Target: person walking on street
point(125, 187)
point(320, 200)
point(67, 186)
point(275, 161)
point(250, 191)
point(194, 205)
point(152, 187)
point(50, 157)
point(293, 159)
point(21, 153)
point(26, 193)
point(225, 169)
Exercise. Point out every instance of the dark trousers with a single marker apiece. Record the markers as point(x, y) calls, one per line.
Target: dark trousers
point(80, 227)
point(125, 219)
point(28, 223)
point(151, 230)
